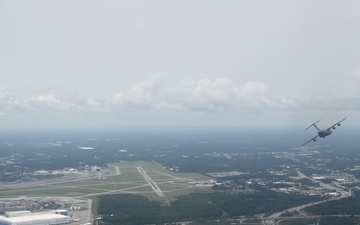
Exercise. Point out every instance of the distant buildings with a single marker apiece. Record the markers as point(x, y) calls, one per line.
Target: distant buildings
point(28, 218)
point(227, 174)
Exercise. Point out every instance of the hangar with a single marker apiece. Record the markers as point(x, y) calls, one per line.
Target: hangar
point(35, 219)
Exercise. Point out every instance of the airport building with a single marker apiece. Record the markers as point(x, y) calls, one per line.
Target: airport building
point(28, 218)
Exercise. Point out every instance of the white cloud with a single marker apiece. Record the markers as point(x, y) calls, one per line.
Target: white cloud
point(50, 102)
point(284, 57)
point(97, 105)
point(3, 100)
point(205, 94)
point(144, 95)
point(140, 95)
point(9, 105)
point(253, 89)
point(339, 94)
point(218, 95)
point(93, 102)
point(4, 94)
point(118, 98)
point(221, 94)
point(349, 85)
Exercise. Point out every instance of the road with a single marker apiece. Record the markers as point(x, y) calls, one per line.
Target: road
point(85, 214)
point(343, 194)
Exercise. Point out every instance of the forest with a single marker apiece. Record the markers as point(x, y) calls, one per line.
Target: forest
point(133, 209)
point(346, 206)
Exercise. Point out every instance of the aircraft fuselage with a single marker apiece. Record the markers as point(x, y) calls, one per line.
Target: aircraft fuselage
point(324, 133)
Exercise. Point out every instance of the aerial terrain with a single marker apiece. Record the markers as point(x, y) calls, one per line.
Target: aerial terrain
point(228, 176)
point(160, 112)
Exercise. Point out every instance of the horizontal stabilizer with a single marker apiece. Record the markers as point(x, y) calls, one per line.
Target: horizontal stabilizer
point(313, 124)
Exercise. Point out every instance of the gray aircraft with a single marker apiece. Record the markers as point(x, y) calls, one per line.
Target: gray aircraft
point(323, 133)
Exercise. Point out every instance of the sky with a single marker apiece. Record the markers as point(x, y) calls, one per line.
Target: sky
point(117, 64)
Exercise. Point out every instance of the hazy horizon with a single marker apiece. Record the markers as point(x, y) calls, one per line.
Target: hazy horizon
point(106, 65)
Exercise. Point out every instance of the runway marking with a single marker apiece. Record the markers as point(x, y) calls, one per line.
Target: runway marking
point(153, 185)
point(117, 170)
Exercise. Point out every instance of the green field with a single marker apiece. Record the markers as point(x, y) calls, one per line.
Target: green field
point(128, 179)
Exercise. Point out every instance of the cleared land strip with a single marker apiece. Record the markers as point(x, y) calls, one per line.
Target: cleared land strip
point(153, 185)
point(117, 170)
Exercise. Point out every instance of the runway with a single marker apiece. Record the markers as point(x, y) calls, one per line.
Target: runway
point(153, 185)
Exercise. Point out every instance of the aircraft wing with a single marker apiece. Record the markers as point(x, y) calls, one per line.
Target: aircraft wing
point(338, 123)
point(311, 139)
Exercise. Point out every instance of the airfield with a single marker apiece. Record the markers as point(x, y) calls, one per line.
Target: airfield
point(149, 179)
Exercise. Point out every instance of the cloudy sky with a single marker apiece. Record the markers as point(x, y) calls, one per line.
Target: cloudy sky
point(109, 64)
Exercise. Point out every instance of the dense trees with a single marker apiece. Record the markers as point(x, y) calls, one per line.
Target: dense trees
point(304, 221)
point(264, 201)
point(133, 209)
point(346, 206)
point(339, 220)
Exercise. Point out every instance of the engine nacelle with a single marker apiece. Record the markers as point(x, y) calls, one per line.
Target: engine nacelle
point(339, 124)
point(333, 127)
point(314, 139)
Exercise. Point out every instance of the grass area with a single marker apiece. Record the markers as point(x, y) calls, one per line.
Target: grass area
point(95, 205)
point(32, 192)
point(127, 180)
point(304, 221)
point(204, 222)
point(135, 209)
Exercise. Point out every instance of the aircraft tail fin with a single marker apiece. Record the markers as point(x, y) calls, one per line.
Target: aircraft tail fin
point(314, 124)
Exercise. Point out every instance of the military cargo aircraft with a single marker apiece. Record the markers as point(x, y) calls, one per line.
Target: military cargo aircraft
point(323, 133)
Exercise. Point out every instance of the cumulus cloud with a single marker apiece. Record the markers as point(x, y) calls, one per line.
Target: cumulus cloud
point(95, 105)
point(349, 85)
point(4, 94)
point(205, 95)
point(140, 95)
point(3, 100)
point(220, 94)
point(50, 102)
point(47, 104)
point(9, 105)
point(346, 92)
point(144, 95)
point(341, 93)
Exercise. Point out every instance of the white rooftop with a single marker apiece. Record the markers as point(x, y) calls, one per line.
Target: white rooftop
point(33, 217)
